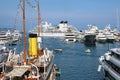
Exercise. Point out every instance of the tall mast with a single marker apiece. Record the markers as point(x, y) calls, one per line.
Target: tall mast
point(39, 19)
point(24, 29)
point(39, 22)
point(117, 19)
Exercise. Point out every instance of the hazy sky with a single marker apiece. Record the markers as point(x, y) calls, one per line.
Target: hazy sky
point(79, 13)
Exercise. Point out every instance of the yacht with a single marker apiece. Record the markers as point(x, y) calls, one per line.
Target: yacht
point(70, 37)
point(110, 64)
point(94, 29)
point(109, 36)
point(5, 36)
point(100, 37)
point(16, 35)
point(89, 37)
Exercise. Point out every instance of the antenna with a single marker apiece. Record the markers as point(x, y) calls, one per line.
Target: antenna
point(117, 25)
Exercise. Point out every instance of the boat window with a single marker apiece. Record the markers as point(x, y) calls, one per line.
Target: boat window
point(109, 76)
point(117, 69)
point(112, 52)
point(117, 56)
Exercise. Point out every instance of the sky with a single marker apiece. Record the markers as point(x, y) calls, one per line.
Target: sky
point(78, 13)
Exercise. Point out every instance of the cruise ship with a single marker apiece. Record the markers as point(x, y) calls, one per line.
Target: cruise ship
point(110, 64)
point(60, 30)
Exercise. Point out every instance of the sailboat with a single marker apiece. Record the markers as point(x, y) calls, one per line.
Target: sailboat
point(36, 64)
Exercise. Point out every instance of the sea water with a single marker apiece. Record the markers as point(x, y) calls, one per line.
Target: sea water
point(74, 62)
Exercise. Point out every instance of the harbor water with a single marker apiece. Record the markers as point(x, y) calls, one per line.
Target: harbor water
point(74, 62)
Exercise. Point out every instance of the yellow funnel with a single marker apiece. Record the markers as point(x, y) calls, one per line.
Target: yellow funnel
point(32, 45)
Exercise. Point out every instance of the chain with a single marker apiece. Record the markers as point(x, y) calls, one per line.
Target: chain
point(30, 4)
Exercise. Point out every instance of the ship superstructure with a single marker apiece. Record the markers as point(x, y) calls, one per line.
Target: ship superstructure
point(110, 64)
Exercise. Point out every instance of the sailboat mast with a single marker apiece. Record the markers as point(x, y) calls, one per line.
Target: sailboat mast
point(24, 29)
point(39, 22)
point(39, 19)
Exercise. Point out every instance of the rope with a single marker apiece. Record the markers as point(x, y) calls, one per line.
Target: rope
point(18, 9)
point(30, 4)
point(16, 17)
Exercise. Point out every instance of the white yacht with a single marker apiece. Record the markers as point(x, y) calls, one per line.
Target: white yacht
point(100, 37)
point(5, 36)
point(16, 35)
point(70, 36)
point(110, 64)
point(109, 36)
point(93, 28)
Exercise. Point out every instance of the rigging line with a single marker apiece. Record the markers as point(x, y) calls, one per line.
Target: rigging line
point(36, 1)
point(30, 4)
point(16, 17)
